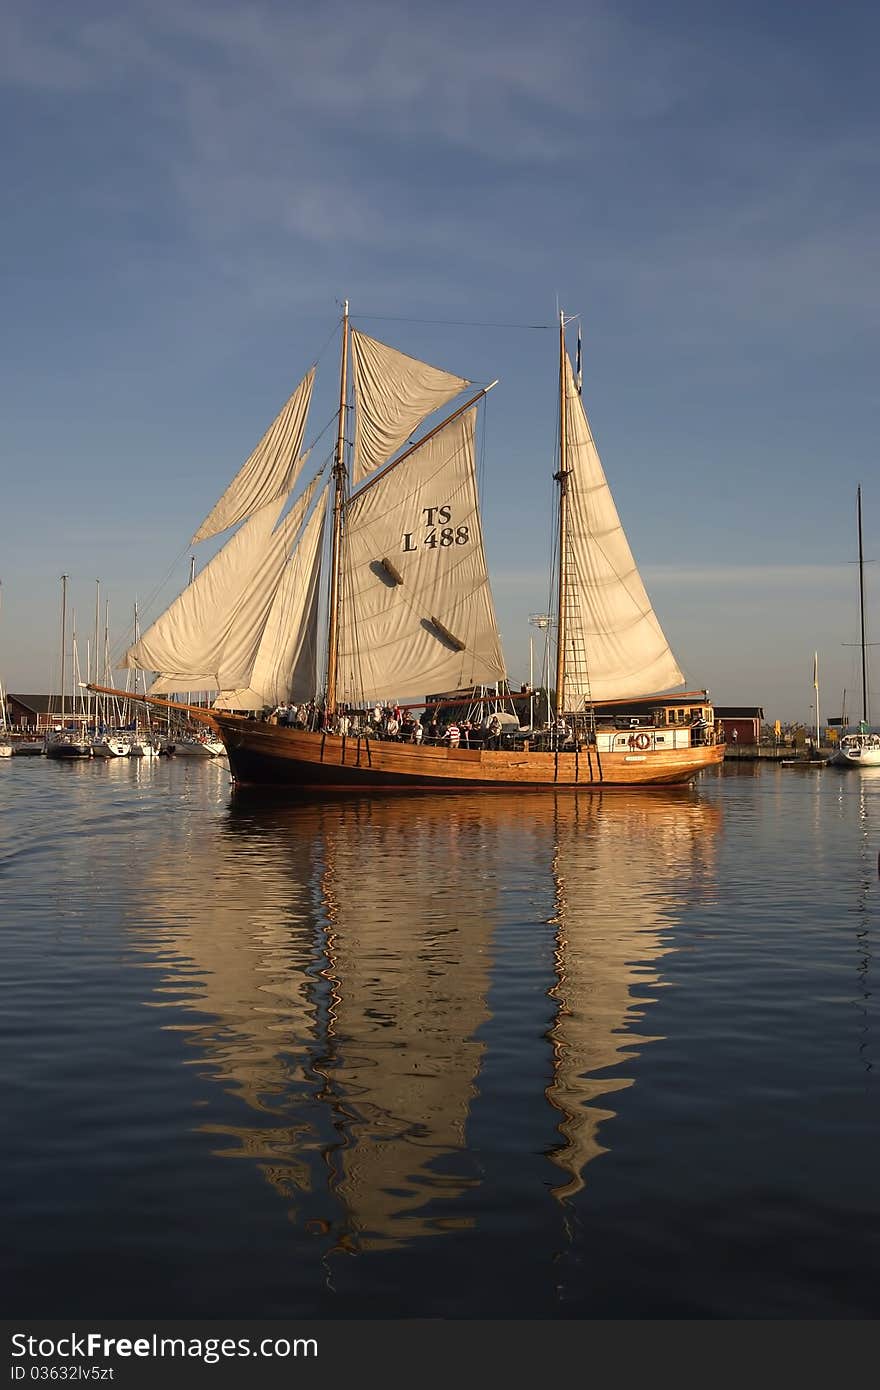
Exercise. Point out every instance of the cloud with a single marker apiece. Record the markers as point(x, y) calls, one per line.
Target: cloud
point(736, 577)
point(506, 136)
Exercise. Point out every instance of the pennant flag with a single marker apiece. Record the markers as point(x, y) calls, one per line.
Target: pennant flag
point(815, 670)
point(579, 376)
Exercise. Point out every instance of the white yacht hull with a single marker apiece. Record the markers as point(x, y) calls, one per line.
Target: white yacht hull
point(110, 748)
point(197, 748)
point(142, 749)
point(857, 757)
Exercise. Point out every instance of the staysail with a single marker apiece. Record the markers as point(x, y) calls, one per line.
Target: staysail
point(615, 647)
point(271, 470)
point(417, 611)
point(208, 638)
point(393, 394)
point(286, 664)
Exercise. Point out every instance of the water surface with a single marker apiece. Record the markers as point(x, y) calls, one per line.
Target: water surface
point(468, 1056)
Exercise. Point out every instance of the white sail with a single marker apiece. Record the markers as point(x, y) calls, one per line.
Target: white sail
point(208, 638)
point(271, 470)
point(393, 394)
point(615, 647)
point(417, 610)
point(285, 666)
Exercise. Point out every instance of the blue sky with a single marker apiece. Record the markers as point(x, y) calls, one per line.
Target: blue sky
point(192, 187)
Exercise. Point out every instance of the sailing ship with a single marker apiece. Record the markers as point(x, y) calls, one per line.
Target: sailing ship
point(410, 606)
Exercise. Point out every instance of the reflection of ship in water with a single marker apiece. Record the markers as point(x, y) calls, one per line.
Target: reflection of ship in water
point(340, 954)
point(411, 896)
point(338, 960)
point(623, 867)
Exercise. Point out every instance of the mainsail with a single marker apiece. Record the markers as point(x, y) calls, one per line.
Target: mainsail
point(393, 394)
point(272, 469)
point(286, 664)
point(417, 612)
point(209, 637)
point(615, 648)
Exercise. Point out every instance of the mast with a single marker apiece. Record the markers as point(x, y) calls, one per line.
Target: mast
point(816, 688)
point(862, 610)
point(562, 478)
point(63, 639)
point(90, 676)
point(338, 500)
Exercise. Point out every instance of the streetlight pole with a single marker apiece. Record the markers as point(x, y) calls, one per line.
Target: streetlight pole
point(541, 621)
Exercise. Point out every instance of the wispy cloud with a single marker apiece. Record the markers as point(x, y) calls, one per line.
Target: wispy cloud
point(736, 577)
point(386, 129)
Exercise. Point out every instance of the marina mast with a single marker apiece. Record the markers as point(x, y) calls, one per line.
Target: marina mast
point(562, 478)
point(338, 501)
point(862, 610)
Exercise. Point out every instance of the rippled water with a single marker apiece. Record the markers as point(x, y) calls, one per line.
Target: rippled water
point(551, 1056)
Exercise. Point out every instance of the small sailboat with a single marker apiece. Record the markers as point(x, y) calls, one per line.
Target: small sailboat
point(197, 746)
point(67, 741)
point(861, 748)
point(410, 606)
point(6, 749)
point(110, 745)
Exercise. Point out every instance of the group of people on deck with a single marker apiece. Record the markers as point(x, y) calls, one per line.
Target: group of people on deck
point(391, 723)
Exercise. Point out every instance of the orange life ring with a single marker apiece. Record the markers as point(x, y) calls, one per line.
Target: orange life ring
point(641, 741)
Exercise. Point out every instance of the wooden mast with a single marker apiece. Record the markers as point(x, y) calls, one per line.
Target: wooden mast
point(562, 478)
point(338, 501)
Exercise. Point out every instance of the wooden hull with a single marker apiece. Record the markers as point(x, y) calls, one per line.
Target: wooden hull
point(270, 755)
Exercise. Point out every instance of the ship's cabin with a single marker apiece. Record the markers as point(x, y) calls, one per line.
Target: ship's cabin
point(656, 723)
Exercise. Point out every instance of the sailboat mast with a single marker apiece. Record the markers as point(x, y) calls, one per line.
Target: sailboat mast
point(862, 610)
point(338, 500)
point(63, 639)
point(97, 629)
point(562, 478)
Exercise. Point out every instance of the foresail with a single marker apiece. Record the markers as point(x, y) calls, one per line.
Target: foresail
point(285, 667)
point(393, 395)
point(271, 470)
point(209, 637)
point(417, 610)
point(187, 638)
point(615, 647)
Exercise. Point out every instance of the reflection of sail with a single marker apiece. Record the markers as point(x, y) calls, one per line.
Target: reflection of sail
point(338, 958)
point(412, 923)
point(236, 945)
point(622, 867)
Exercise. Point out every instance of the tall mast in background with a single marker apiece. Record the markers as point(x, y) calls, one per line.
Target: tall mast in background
point(562, 479)
point(339, 481)
point(862, 611)
point(63, 639)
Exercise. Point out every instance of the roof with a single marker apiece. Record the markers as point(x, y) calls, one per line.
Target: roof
point(739, 712)
point(44, 704)
point(687, 697)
